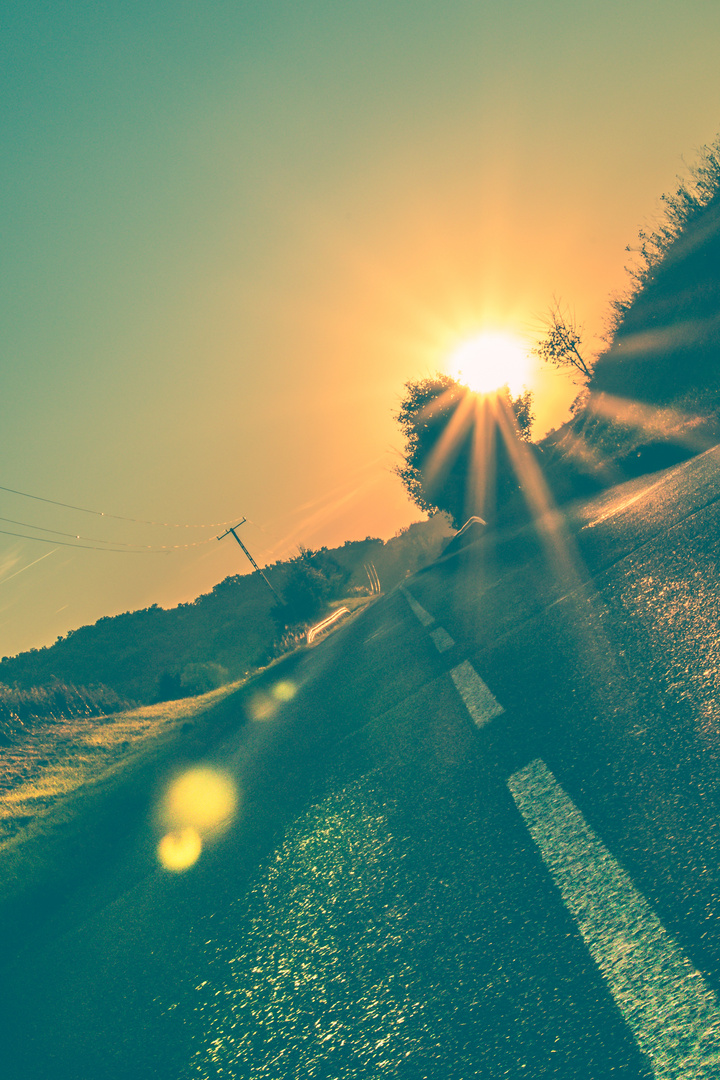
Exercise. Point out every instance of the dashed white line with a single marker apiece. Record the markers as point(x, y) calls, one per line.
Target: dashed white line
point(666, 1004)
point(442, 639)
point(478, 698)
point(424, 616)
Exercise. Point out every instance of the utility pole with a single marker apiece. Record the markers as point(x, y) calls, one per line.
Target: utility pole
point(232, 530)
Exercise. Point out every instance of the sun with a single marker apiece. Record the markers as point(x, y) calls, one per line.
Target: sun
point(489, 361)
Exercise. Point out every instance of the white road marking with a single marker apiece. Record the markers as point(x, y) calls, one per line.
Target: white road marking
point(479, 701)
point(424, 616)
point(442, 639)
point(670, 1010)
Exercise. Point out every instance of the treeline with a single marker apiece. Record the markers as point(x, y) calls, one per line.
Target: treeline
point(158, 654)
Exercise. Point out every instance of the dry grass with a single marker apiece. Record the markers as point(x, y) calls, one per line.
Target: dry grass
point(55, 759)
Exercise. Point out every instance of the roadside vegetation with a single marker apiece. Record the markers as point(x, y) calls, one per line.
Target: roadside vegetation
point(652, 397)
point(159, 654)
point(54, 758)
point(19, 707)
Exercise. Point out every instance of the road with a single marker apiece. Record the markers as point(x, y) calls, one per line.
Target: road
point(477, 836)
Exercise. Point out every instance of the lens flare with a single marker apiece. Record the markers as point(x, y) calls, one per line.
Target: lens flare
point(202, 798)
point(284, 690)
point(261, 706)
point(197, 806)
point(489, 361)
point(177, 851)
point(264, 704)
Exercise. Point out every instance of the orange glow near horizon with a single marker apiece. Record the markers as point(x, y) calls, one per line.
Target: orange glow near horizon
point(489, 361)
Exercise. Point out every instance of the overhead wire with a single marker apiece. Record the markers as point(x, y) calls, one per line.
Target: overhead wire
point(91, 547)
point(115, 517)
point(99, 540)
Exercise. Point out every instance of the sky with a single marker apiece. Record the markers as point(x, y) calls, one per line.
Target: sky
point(233, 231)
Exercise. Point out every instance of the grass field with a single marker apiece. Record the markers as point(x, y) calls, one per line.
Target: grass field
point(72, 790)
point(55, 759)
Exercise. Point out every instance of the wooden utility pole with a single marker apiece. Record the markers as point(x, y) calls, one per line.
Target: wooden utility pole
point(232, 530)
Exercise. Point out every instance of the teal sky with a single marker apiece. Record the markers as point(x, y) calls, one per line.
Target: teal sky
point(231, 232)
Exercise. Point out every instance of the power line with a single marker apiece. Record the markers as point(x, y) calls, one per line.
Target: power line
point(115, 517)
point(93, 547)
point(57, 532)
point(99, 540)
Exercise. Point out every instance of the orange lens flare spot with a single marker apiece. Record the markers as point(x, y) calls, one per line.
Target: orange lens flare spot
point(179, 850)
point(489, 361)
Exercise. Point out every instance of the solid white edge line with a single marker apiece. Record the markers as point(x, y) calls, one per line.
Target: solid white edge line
point(478, 698)
point(670, 1010)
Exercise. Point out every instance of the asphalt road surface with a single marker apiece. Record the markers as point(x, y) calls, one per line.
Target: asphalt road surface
point(476, 835)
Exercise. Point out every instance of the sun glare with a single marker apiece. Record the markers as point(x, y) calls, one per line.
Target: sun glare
point(489, 361)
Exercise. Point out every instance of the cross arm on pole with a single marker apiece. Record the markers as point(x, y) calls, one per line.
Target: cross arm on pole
point(262, 575)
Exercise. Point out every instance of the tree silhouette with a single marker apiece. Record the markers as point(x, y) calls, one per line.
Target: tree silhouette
point(563, 338)
point(665, 331)
point(458, 447)
point(676, 234)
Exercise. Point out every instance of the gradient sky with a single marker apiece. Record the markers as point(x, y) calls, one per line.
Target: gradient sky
point(232, 231)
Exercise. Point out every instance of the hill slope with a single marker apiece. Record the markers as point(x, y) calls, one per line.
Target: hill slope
point(143, 655)
point(654, 395)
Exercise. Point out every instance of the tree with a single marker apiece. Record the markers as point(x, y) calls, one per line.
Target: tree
point(458, 446)
point(682, 209)
point(562, 341)
point(312, 580)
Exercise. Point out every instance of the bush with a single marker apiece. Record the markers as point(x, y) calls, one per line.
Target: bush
point(312, 580)
point(202, 678)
